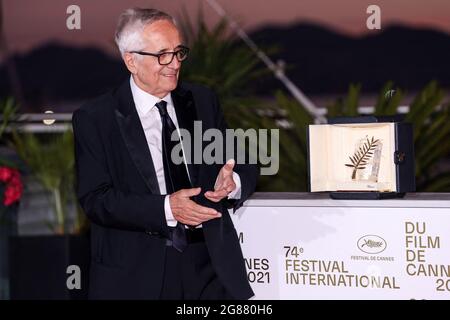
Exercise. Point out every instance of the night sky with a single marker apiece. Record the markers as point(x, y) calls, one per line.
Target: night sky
point(30, 23)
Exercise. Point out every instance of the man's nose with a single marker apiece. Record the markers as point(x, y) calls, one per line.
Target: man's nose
point(175, 64)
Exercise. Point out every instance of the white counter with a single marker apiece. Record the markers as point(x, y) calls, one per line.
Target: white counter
point(303, 199)
point(308, 246)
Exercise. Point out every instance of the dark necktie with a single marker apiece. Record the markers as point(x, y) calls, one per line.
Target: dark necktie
point(175, 175)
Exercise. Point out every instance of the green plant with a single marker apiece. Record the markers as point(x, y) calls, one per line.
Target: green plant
point(223, 63)
point(430, 116)
point(51, 160)
point(217, 59)
point(8, 110)
point(293, 171)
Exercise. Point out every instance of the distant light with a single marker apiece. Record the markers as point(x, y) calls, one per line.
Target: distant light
point(48, 121)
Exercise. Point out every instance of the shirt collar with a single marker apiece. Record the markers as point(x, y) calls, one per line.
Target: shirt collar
point(144, 101)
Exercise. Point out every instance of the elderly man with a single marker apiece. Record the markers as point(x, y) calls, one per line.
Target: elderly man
point(160, 230)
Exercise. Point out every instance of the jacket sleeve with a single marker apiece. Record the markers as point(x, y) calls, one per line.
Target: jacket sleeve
point(103, 203)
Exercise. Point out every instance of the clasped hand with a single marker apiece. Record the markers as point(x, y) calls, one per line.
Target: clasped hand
point(190, 213)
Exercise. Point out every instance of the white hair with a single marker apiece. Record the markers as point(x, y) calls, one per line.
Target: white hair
point(131, 24)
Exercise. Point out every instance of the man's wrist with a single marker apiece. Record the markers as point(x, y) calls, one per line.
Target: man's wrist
point(236, 193)
point(171, 222)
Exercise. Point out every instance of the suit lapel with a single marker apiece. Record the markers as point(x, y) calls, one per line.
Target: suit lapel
point(183, 102)
point(134, 137)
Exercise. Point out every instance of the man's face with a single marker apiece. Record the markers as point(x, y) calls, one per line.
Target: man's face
point(158, 37)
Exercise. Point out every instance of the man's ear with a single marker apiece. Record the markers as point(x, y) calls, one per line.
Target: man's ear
point(130, 62)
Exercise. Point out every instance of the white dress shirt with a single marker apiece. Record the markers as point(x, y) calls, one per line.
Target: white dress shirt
point(151, 123)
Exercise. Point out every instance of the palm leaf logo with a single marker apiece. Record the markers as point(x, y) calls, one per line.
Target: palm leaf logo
point(362, 156)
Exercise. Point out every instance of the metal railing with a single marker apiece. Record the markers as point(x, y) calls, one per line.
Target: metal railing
point(41, 122)
point(60, 122)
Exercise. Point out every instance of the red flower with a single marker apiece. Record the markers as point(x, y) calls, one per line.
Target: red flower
point(5, 174)
point(14, 186)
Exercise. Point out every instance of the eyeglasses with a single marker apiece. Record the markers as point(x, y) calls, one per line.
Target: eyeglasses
point(166, 58)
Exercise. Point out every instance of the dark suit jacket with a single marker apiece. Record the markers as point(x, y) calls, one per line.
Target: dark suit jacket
point(118, 190)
